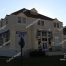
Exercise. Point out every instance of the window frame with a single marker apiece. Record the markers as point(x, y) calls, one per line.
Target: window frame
point(24, 19)
point(19, 19)
point(56, 25)
point(38, 33)
point(40, 22)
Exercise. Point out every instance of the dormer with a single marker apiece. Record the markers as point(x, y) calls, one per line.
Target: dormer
point(34, 11)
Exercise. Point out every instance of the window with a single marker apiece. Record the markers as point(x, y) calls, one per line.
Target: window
point(19, 19)
point(39, 22)
point(39, 44)
point(38, 33)
point(54, 24)
point(49, 41)
point(6, 21)
point(24, 20)
point(44, 33)
point(39, 41)
point(44, 39)
point(49, 34)
point(42, 23)
point(57, 25)
point(7, 36)
point(21, 34)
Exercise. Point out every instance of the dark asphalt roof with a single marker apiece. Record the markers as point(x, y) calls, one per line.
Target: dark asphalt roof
point(29, 14)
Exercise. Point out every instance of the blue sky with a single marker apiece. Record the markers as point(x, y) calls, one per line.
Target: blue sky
point(51, 8)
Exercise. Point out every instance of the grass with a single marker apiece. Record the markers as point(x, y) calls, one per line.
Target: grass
point(34, 61)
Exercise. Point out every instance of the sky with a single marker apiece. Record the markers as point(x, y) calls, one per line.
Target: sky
point(50, 8)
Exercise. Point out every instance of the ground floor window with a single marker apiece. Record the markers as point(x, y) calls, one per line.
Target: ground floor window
point(44, 39)
point(1, 41)
point(4, 37)
point(39, 43)
point(44, 45)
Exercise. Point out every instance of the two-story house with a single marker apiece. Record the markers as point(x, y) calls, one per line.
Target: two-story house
point(37, 30)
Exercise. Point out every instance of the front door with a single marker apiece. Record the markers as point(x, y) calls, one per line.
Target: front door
point(18, 36)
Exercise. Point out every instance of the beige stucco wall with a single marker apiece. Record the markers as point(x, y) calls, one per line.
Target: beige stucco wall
point(31, 41)
point(14, 26)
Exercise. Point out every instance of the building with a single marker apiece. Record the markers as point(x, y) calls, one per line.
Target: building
point(37, 30)
point(64, 33)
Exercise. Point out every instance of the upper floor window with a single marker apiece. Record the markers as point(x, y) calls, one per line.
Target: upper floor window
point(6, 35)
point(24, 19)
point(19, 19)
point(56, 25)
point(6, 21)
point(41, 22)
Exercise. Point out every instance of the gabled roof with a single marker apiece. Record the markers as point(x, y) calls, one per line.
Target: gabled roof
point(29, 14)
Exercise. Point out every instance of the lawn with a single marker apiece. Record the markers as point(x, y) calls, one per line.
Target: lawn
point(34, 61)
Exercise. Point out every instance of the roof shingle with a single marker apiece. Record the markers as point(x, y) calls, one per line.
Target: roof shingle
point(29, 14)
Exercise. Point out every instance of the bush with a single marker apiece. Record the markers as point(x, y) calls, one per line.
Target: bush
point(37, 53)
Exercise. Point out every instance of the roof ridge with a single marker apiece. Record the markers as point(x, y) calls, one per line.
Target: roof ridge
point(28, 13)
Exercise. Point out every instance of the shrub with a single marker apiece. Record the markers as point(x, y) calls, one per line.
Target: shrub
point(37, 53)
